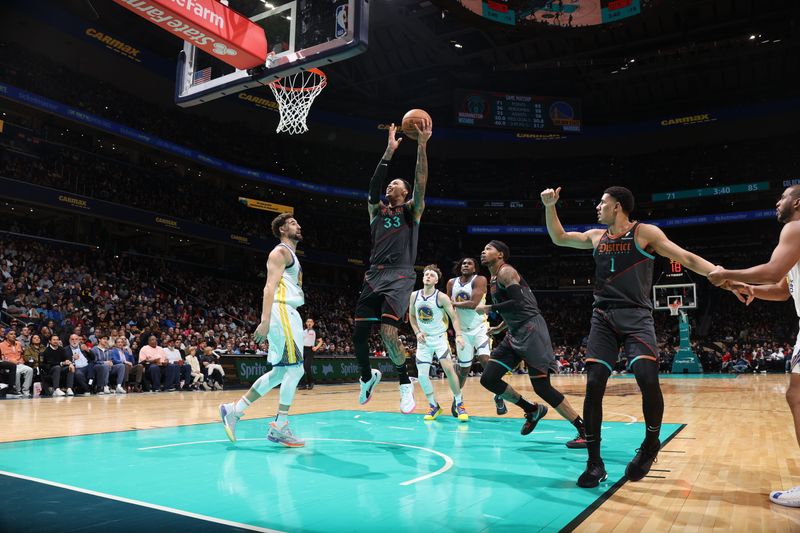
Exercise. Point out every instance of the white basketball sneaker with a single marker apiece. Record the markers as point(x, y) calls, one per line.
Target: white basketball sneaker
point(407, 403)
point(788, 498)
point(283, 435)
point(369, 387)
point(227, 412)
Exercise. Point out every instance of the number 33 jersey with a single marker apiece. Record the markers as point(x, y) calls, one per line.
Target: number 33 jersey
point(394, 237)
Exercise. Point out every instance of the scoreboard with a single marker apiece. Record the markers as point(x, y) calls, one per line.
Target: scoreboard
point(518, 112)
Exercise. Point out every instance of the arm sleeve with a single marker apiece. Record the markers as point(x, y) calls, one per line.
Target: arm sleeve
point(375, 183)
point(516, 302)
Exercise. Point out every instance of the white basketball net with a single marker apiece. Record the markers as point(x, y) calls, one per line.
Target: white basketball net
point(295, 93)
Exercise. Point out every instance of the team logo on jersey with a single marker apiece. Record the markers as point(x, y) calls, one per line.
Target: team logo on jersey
point(792, 284)
point(462, 296)
point(614, 247)
point(425, 314)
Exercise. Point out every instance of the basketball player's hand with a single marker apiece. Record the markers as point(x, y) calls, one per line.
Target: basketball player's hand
point(550, 196)
point(425, 133)
point(260, 334)
point(394, 142)
point(483, 309)
point(716, 276)
point(420, 337)
point(743, 292)
point(460, 342)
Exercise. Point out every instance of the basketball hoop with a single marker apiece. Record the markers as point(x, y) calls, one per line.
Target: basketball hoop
point(674, 307)
point(295, 93)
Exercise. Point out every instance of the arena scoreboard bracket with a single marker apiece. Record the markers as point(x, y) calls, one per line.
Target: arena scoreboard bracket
point(518, 112)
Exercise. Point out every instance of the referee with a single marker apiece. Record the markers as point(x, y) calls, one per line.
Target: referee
point(311, 345)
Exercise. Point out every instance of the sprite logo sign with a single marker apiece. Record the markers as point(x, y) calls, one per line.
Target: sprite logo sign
point(325, 369)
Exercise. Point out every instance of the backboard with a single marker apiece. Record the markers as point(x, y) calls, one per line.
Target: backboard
point(663, 295)
point(301, 34)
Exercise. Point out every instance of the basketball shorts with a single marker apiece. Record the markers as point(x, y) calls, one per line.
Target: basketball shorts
point(631, 328)
point(285, 336)
point(530, 343)
point(434, 347)
point(476, 342)
point(796, 356)
point(384, 295)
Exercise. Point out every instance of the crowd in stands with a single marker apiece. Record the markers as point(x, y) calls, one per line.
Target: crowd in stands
point(127, 313)
point(85, 293)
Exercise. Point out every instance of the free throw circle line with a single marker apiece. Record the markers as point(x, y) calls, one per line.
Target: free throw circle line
point(448, 461)
point(632, 418)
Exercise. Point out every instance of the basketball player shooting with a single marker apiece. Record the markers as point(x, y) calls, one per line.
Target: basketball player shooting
point(780, 277)
point(390, 279)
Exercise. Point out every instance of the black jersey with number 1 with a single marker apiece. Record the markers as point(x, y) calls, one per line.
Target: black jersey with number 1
point(624, 272)
point(395, 234)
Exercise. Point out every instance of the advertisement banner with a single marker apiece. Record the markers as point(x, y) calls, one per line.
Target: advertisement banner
point(326, 369)
point(266, 206)
point(208, 25)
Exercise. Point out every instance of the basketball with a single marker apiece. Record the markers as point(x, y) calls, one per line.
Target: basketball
point(415, 116)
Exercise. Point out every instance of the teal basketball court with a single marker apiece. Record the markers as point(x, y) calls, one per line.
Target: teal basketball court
point(360, 471)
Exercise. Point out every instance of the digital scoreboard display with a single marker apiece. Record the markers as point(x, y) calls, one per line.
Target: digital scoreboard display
point(711, 191)
point(518, 112)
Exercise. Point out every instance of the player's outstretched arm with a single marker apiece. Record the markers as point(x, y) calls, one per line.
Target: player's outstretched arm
point(444, 302)
point(783, 258)
point(775, 292)
point(560, 237)
point(381, 171)
point(421, 173)
point(478, 292)
point(653, 237)
point(276, 264)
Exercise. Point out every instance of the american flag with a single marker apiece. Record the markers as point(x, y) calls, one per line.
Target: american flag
point(201, 76)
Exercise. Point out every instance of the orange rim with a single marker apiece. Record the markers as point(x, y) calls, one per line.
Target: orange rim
point(323, 82)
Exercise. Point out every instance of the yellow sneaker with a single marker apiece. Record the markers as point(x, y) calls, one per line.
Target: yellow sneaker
point(434, 411)
point(462, 412)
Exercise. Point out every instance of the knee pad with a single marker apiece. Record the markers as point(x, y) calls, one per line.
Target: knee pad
point(291, 378)
point(424, 377)
point(647, 378)
point(596, 378)
point(269, 380)
point(361, 332)
point(546, 391)
point(492, 378)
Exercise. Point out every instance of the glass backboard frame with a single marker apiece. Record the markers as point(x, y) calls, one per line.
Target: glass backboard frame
point(283, 63)
point(663, 294)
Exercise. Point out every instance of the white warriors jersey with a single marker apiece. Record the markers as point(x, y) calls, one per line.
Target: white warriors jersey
point(468, 318)
point(290, 286)
point(794, 279)
point(431, 319)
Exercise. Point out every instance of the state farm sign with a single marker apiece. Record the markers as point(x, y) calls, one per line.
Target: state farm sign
point(209, 25)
